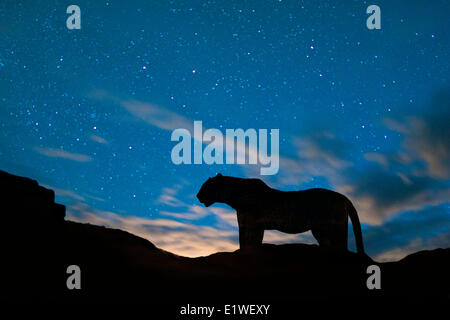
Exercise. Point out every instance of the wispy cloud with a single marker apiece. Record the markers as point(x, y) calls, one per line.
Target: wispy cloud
point(168, 197)
point(428, 140)
point(376, 157)
point(379, 195)
point(99, 139)
point(151, 113)
point(193, 212)
point(155, 115)
point(318, 155)
point(166, 119)
point(59, 153)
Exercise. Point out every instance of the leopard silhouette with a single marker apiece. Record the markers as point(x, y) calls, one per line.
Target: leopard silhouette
point(260, 207)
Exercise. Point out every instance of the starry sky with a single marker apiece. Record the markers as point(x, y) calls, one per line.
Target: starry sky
point(89, 112)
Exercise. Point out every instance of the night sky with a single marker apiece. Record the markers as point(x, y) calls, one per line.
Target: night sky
point(89, 113)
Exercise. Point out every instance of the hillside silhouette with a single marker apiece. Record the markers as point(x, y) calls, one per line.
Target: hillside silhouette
point(38, 244)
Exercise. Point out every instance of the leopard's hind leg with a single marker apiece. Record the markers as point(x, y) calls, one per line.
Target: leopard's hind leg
point(332, 236)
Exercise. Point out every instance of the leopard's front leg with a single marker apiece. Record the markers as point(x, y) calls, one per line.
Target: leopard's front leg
point(251, 233)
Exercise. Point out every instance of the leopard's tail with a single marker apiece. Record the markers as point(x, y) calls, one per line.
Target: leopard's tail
point(356, 227)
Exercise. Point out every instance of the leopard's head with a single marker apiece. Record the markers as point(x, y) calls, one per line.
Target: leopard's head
point(212, 191)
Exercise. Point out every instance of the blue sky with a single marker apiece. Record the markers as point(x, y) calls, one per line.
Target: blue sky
point(90, 112)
